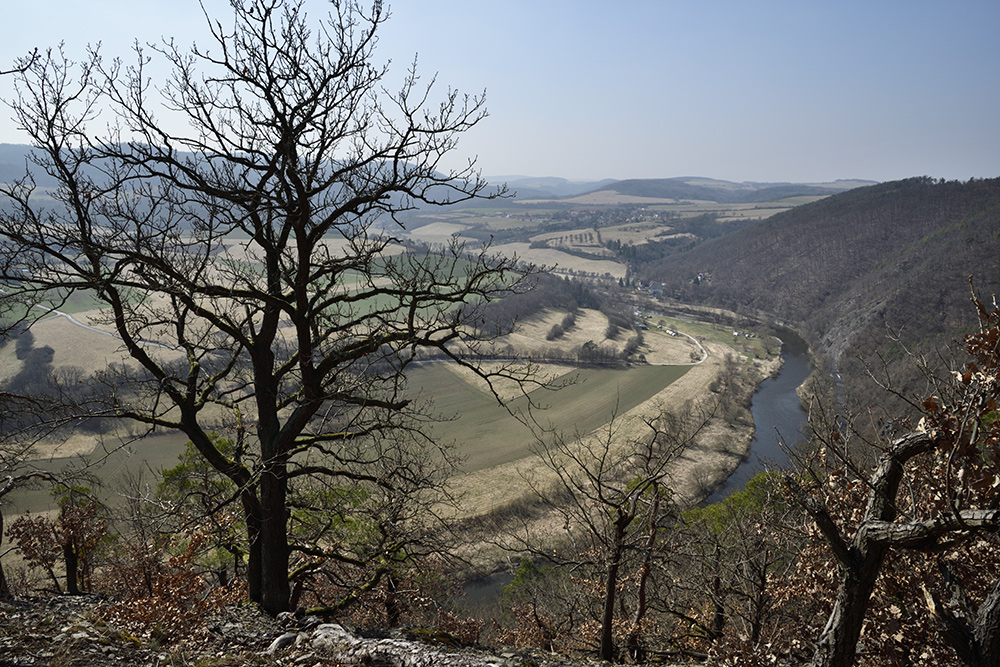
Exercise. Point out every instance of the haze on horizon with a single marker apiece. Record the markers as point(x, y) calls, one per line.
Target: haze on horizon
point(768, 91)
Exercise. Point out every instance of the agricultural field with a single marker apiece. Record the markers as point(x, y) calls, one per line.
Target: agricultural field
point(116, 464)
point(730, 212)
point(635, 233)
point(563, 262)
point(570, 236)
point(484, 433)
point(682, 357)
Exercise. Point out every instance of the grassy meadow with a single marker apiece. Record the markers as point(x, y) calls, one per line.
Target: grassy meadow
point(114, 465)
point(485, 434)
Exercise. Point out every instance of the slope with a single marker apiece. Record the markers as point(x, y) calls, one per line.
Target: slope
point(894, 256)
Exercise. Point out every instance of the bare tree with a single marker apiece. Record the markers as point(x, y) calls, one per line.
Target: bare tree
point(611, 494)
point(729, 555)
point(13, 481)
point(931, 490)
point(236, 222)
point(17, 450)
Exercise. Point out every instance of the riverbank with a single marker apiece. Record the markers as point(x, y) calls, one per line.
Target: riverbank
point(720, 447)
point(725, 444)
point(778, 417)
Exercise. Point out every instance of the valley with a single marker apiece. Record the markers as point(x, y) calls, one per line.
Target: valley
point(285, 372)
point(598, 239)
point(583, 234)
point(492, 440)
point(652, 312)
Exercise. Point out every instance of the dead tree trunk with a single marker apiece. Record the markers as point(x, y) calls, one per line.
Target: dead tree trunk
point(4, 587)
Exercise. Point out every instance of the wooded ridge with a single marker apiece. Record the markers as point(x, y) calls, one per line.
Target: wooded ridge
point(850, 268)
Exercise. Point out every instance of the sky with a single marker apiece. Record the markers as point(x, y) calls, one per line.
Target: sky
point(766, 91)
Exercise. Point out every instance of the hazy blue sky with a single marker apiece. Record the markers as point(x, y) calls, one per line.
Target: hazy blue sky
point(761, 91)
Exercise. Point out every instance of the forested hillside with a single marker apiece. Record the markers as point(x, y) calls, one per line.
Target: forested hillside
point(853, 267)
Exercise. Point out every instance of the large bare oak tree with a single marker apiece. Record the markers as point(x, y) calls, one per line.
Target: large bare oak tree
point(237, 224)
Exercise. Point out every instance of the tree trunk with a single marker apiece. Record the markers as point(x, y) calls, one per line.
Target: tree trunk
point(718, 595)
point(838, 643)
point(718, 609)
point(392, 610)
point(72, 568)
point(607, 619)
point(761, 602)
point(610, 589)
point(860, 560)
point(275, 589)
point(252, 515)
point(977, 645)
point(4, 587)
point(632, 644)
point(987, 630)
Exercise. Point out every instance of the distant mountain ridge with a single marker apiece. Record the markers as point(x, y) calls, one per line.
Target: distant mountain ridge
point(12, 165)
point(13, 156)
point(548, 187)
point(678, 188)
point(725, 192)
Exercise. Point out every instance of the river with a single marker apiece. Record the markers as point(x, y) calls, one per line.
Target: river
point(777, 412)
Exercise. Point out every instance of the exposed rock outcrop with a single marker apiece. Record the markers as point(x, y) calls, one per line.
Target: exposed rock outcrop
point(69, 630)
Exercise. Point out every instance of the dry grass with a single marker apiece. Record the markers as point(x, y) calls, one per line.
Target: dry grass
point(73, 345)
point(590, 325)
point(499, 500)
point(507, 388)
point(661, 348)
point(635, 233)
point(437, 232)
point(485, 490)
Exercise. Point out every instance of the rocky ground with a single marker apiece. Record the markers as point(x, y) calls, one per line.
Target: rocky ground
point(65, 631)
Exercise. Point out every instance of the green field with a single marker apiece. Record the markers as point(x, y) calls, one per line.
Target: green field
point(146, 457)
point(486, 435)
point(483, 432)
point(77, 302)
